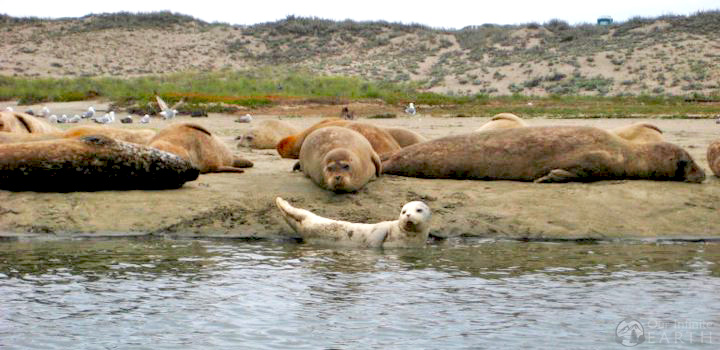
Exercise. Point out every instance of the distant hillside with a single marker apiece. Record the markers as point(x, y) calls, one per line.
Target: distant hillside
point(666, 55)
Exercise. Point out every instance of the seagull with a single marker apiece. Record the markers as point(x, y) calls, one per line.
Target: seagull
point(167, 112)
point(63, 119)
point(112, 116)
point(127, 120)
point(9, 109)
point(75, 119)
point(145, 119)
point(410, 109)
point(717, 121)
point(103, 120)
point(244, 119)
point(45, 112)
point(53, 118)
point(89, 113)
point(30, 111)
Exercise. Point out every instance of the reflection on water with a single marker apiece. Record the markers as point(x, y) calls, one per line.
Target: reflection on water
point(157, 294)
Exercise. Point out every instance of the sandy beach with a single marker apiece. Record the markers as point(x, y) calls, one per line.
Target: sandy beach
point(241, 205)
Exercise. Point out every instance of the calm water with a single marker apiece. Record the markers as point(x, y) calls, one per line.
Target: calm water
point(166, 294)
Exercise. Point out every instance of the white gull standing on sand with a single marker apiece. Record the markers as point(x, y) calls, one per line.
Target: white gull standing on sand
point(145, 119)
point(63, 119)
point(74, 119)
point(9, 109)
point(244, 119)
point(167, 112)
point(410, 109)
point(53, 118)
point(89, 113)
point(44, 112)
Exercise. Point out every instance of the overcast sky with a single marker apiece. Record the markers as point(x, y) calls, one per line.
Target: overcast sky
point(439, 14)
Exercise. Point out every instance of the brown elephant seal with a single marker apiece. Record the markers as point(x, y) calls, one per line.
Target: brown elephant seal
point(266, 134)
point(404, 137)
point(90, 163)
point(503, 121)
point(544, 154)
point(339, 159)
point(411, 229)
point(24, 123)
point(203, 149)
point(713, 157)
point(139, 136)
point(12, 137)
point(380, 140)
point(639, 132)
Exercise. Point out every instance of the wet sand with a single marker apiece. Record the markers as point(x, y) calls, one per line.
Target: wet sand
point(242, 206)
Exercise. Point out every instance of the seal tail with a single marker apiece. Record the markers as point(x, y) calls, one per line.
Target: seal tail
point(293, 216)
point(239, 162)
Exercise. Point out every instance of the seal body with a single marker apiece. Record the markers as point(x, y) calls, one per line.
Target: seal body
point(411, 229)
point(503, 121)
point(266, 134)
point(339, 159)
point(139, 136)
point(404, 137)
point(203, 149)
point(639, 133)
point(90, 163)
point(24, 123)
point(381, 141)
point(713, 157)
point(543, 154)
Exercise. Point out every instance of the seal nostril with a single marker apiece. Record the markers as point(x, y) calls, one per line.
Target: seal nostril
point(338, 178)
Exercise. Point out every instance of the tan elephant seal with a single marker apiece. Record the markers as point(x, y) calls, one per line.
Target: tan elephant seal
point(139, 136)
point(266, 134)
point(203, 149)
point(713, 157)
point(503, 121)
point(24, 123)
point(639, 132)
point(380, 140)
point(411, 229)
point(90, 163)
point(544, 154)
point(339, 159)
point(404, 137)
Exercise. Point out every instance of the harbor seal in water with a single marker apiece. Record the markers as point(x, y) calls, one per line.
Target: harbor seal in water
point(409, 230)
point(544, 154)
point(266, 134)
point(639, 133)
point(139, 136)
point(404, 137)
point(380, 140)
point(90, 163)
point(203, 149)
point(339, 159)
point(24, 123)
point(713, 157)
point(503, 121)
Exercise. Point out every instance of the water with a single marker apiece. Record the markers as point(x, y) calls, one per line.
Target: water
point(168, 294)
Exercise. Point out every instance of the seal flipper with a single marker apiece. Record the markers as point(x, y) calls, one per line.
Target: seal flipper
point(557, 175)
point(228, 169)
point(293, 216)
point(239, 162)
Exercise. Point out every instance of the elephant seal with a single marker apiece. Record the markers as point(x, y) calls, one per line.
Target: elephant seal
point(503, 121)
point(544, 154)
point(639, 133)
point(339, 159)
point(713, 157)
point(380, 140)
point(404, 137)
point(90, 163)
point(409, 230)
point(139, 136)
point(203, 149)
point(24, 123)
point(266, 134)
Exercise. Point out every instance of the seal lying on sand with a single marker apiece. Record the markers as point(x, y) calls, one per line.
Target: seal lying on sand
point(382, 142)
point(90, 163)
point(339, 159)
point(639, 132)
point(203, 149)
point(139, 136)
point(713, 157)
point(405, 137)
point(266, 134)
point(503, 121)
point(24, 123)
point(543, 154)
point(409, 230)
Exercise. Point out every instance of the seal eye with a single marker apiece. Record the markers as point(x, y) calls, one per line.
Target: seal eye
point(345, 167)
point(403, 212)
point(419, 210)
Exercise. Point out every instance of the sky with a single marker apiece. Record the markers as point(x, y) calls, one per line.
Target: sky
point(451, 14)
